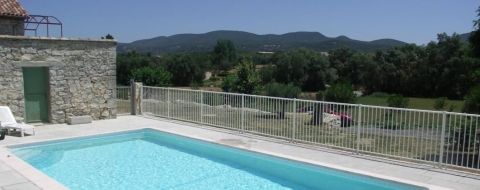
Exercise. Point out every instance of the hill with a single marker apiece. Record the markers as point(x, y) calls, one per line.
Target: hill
point(245, 41)
point(464, 37)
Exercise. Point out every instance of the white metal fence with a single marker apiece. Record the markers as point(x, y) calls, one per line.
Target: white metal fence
point(435, 137)
point(123, 99)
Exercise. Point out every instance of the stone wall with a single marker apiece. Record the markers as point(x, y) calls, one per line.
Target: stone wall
point(11, 26)
point(81, 75)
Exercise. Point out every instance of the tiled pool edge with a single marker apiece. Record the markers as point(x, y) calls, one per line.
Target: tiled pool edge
point(45, 182)
point(312, 162)
point(27, 171)
point(34, 175)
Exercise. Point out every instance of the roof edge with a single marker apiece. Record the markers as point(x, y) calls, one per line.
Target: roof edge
point(13, 16)
point(12, 8)
point(56, 39)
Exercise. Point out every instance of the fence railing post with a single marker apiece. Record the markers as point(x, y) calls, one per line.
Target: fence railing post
point(294, 123)
point(168, 102)
point(442, 138)
point(243, 114)
point(201, 107)
point(133, 95)
point(359, 128)
point(140, 99)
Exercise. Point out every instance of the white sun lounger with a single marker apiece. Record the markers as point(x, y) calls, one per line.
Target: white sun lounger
point(7, 121)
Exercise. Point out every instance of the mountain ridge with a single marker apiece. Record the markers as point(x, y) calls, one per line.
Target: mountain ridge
point(246, 41)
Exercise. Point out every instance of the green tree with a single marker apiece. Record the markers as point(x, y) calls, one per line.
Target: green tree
point(109, 37)
point(305, 68)
point(291, 67)
point(224, 55)
point(372, 75)
point(128, 62)
point(351, 66)
point(152, 76)
point(340, 92)
point(475, 35)
point(185, 70)
point(394, 70)
point(340, 60)
point(318, 73)
point(248, 79)
point(267, 74)
point(450, 67)
point(417, 71)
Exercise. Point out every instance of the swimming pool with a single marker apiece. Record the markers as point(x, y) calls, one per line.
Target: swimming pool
point(150, 159)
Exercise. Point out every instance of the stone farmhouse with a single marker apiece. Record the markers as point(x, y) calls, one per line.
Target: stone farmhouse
point(47, 79)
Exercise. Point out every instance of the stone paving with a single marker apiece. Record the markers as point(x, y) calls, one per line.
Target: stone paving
point(11, 179)
point(16, 174)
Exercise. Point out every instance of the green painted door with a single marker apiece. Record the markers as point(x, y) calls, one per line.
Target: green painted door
point(35, 82)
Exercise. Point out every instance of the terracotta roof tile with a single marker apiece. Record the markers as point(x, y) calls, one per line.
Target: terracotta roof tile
point(12, 8)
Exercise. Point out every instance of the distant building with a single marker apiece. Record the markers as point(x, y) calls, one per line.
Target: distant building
point(12, 17)
point(45, 79)
point(324, 53)
point(265, 52)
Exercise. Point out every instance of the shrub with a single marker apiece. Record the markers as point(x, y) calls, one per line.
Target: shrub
point(152, 76)
point(248, 79)
point(267, 74)
point(397, 100)
point(440, 103)
point(320, 96)
point(341, 92)
point(282, 90)
point(451, 108)
point(228, 83)
point(472, 101)
point(185, 70)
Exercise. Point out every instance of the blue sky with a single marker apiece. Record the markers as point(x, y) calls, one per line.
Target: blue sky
point(415, 21)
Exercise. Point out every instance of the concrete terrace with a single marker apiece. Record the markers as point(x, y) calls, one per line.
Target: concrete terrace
point(16, 174)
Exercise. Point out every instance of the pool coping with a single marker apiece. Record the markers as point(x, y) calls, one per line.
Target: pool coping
point(32, 174)
point(211, 135)
point(46, 182)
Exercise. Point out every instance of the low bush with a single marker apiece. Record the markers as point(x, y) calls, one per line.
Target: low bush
point(228, 84)
point(340, 92)
point(440, 103)
point(397, 100)
point(282, 90)
point(472, 101)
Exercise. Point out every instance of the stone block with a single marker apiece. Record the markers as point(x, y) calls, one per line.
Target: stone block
point(74, 120)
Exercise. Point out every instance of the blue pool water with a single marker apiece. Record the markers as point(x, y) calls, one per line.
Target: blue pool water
point(149, 159)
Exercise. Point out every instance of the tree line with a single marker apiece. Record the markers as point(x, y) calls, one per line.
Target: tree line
point(448, 67)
